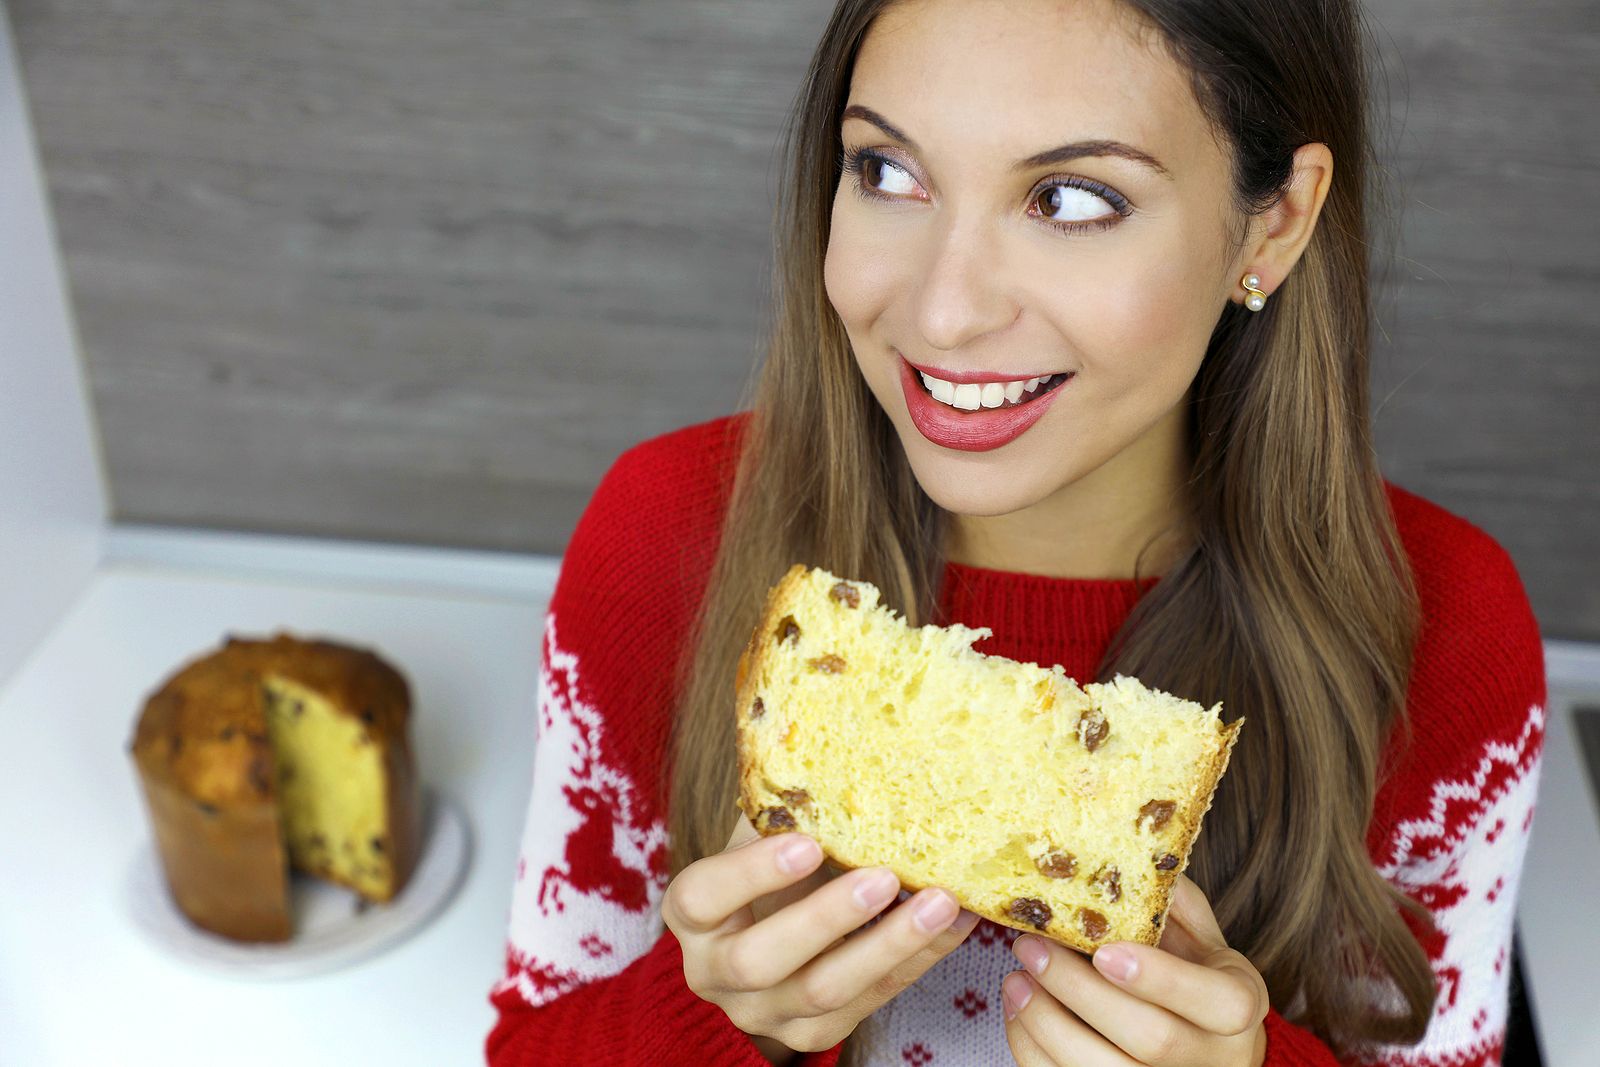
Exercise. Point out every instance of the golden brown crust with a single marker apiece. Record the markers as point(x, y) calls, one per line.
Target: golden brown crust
point(1189, 823)
point(759, 810)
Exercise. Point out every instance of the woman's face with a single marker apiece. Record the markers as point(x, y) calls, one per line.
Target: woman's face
point(971, 240)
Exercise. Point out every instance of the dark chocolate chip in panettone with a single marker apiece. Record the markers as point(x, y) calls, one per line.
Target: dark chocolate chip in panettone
point(778, 818)
point(299, 708)
point(757, 709)
point(1034, 912)
point(367, 716)
point(788, 631)
point(1094, 924)
point(377, 843)
point(796, 797)
point(1166, 862)
point(846, 594)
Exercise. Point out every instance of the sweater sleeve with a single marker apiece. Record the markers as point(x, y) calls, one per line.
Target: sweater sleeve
point(591, 974)
point(1453, 818)
point(1452, 827)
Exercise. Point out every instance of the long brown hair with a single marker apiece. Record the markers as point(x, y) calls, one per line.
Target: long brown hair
point(1293, 603)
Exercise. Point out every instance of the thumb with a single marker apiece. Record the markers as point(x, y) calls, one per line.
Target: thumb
point(744, 832)
point(1191, 931)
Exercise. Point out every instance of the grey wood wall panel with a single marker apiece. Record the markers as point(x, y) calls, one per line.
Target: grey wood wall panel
point(1487, 384)
point(421, 273)
point(413, 274)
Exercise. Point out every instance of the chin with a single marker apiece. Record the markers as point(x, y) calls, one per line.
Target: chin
point(963, 487)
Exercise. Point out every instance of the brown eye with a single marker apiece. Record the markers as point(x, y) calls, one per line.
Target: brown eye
point(884, 176)
point(1070, 204)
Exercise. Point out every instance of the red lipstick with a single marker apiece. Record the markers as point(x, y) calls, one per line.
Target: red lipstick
point(971, 431)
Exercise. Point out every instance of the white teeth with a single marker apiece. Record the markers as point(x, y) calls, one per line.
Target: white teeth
point(972, 396)
point(941, 389)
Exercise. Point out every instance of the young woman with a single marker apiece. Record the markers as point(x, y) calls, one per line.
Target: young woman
point(1071, 342)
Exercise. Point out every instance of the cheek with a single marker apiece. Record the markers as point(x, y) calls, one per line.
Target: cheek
point(856, 271)
point(1152, 329)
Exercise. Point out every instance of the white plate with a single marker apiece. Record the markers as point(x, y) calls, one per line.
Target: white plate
point(330, 932)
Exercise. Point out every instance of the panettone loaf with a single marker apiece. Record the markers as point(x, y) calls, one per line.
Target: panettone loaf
point(1064, 810)
point(267, 755)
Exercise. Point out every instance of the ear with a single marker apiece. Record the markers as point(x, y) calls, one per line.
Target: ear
point(1286, 228)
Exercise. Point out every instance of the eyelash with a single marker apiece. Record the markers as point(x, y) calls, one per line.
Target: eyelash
point(852, 160)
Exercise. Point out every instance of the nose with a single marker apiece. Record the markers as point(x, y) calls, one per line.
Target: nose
point(961, 295)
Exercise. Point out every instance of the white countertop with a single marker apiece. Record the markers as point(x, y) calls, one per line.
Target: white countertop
point(79, 983)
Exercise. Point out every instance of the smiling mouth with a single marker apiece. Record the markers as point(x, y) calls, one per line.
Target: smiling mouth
point(990, 395)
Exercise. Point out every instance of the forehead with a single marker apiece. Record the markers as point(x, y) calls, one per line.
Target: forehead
point(1017, 76)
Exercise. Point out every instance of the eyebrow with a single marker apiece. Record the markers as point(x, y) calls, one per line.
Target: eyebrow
point(1049, 157)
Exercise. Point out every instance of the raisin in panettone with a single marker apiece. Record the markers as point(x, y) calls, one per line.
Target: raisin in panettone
point(271, 754)
point(1042, 805)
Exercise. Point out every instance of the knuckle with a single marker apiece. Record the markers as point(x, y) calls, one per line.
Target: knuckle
point(1241, 1016)
point(743, 967)
point(1164, 1042)
point(806, 1035)
point(671, 909)
point(741, 1013)
point(1246, 999)
point(818, 996)
point(886, 988)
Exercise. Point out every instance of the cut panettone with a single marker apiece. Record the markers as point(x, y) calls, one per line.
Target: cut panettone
point(1063, 810)
point(270, 755)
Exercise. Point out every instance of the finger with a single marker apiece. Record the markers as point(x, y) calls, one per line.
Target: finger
point(1193, 912)
point(1146, 1032)
point(871, 968)
point(1224, 995)
point(768, 952)
point(1024, 1049)
point(744, 832)
point(1056, 1031)
point(710, 893)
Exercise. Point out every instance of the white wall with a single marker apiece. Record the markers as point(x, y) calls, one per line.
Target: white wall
point(52, 490)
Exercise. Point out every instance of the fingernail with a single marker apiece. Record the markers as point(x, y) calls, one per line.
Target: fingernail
point(934, 912)
point(1116, 963)
point(798, 855)
point(965, 922)
point(1033, 955)
point(875, 889)
point(1015, 992)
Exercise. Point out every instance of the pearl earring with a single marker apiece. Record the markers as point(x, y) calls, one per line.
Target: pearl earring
point(1257, 299)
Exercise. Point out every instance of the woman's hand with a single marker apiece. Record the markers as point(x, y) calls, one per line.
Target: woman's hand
point(1190, 1002)
point(765, 937)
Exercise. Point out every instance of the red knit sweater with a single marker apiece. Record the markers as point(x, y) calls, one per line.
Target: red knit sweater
point(592, 977)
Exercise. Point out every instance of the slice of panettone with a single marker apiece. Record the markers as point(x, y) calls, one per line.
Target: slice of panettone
point(1063, 810)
